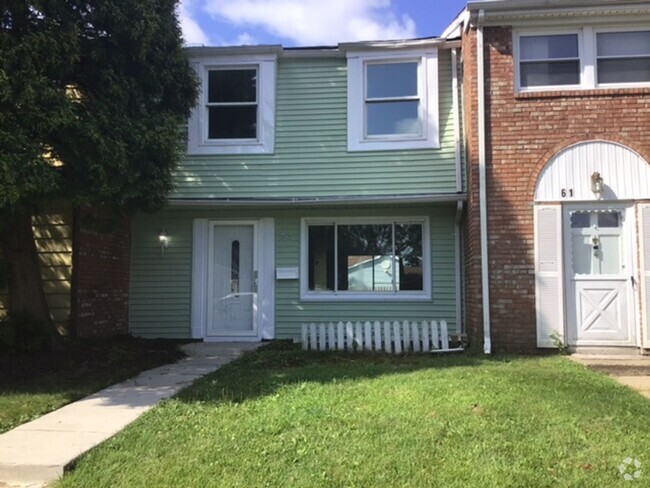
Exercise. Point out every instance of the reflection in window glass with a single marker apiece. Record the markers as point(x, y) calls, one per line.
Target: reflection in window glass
point(608, 219)
point(397, 118)
point(580, 220)
point(408, 253)
point(623, 57)
point(234, 267)
point(364, 257)
point(582, 252)
point(361, 250)
point(232, 104)
point(321, 257)
point(549, 60)
point(608, 257)
point(392, 80)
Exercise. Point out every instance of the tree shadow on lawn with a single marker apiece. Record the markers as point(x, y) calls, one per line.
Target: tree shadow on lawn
point(531, 379)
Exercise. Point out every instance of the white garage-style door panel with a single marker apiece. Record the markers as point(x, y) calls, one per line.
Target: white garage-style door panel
point(567, 177)
point(599, 274)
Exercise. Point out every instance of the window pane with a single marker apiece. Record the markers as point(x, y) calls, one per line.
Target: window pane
point(551, 73)
point(582, 252)
point(623, 70)
point(363, 251)
point(321, 258)
point(232, 85)
point(391, 80)
point(232, 122)
point(608, 220)
point(608, 255)
point(408, 251)
point(580, 220)
point(393, 118)
point(549, 47)
point(623, 43)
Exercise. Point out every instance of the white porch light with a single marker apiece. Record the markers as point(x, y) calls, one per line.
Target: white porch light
point(597, 183)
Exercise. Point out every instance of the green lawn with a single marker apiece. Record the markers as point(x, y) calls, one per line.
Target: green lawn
point(284, 418)
point(36, 383)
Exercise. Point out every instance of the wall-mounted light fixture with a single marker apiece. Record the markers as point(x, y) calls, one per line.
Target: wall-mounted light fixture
point(163, 238)
point(597, 184)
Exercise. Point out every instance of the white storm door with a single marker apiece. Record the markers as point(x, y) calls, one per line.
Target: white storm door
point(599, 267)
point(232, 281)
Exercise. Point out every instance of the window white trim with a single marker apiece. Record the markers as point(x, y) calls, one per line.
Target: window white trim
point(587, 50)
point(198, 142)
point(427, 93)
point(352, 296)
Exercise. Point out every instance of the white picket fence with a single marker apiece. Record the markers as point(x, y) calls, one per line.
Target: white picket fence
point(391, 337)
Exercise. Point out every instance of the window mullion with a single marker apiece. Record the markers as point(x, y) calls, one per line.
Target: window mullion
point(336, 258)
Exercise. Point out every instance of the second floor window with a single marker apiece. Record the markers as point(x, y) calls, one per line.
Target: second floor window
point(551, 60)
point(623, 57)
point(586, 58)
point(235, 113)
point(392, 100)
point(232, 103)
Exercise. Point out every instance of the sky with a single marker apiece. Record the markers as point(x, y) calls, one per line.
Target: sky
point(311, 22)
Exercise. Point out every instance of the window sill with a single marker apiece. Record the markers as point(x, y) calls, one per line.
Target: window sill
point(366, 297)
point(392, 144)
point(591, 92)
point(208, 149)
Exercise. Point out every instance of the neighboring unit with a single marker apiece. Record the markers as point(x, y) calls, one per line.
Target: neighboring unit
point(558, 223)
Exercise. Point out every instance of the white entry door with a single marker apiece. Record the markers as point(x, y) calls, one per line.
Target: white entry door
point(599, 273)
point(232, 281)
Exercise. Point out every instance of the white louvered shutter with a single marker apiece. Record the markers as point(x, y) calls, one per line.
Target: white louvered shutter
point(644, 239)
point(549, 276)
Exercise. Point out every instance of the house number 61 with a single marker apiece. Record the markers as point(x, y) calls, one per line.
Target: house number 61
point(566, 192)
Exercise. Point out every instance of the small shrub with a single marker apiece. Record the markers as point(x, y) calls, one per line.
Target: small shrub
point(558, 342)
point(22, 332)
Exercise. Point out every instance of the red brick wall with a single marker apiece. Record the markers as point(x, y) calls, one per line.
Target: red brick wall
point(100, 297)
point(523, 133)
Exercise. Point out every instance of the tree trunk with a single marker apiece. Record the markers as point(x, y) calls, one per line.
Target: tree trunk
point(25, 285)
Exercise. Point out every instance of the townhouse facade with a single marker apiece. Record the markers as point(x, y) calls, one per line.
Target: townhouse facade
point(319, 185)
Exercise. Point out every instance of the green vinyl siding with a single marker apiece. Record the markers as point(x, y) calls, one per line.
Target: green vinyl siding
point(161, 283)
point(311, 157)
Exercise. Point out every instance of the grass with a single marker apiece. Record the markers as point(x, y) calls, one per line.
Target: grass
point(283, 418)
point(36, 383)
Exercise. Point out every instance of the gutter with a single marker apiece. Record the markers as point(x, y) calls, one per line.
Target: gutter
point(318, 201)
point(482, 159)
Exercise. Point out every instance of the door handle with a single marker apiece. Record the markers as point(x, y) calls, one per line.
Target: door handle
point(255, 281)
point(633, 281)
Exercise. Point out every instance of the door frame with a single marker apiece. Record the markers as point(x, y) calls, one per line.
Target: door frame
point(231, 337)
point(630, 241)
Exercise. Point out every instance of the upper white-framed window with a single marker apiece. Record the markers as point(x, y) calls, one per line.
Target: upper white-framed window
point(393, 101)
point(584, 58)
point(365, 259)
point(622, 57)
point(235, 113)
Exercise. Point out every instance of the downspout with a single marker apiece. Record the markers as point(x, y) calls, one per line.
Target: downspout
point(459, 189)
point(485, 283)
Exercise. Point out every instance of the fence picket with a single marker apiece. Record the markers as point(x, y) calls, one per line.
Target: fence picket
point(406, 335)
point(367, 336)
point(349, 336)
point(377, 332)
point(304, 337)
point(444, 336)
point(397, 338)
point(340, 337)
point(434, 334)
point(415, 336)
point(312, 336)
point(358, 336)
point(331, 339)
point(388, 341)
point(425, 337)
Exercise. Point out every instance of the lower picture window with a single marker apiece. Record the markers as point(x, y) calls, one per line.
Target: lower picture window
point(382, 258)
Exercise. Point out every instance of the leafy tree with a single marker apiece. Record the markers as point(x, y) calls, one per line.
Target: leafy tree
point(91, 97)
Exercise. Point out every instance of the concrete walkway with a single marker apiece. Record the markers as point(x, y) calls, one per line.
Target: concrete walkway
point(39, 451)
point(632, 371)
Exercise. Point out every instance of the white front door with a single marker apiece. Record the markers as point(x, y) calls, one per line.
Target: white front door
point(599, 268)
point(232, 281)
